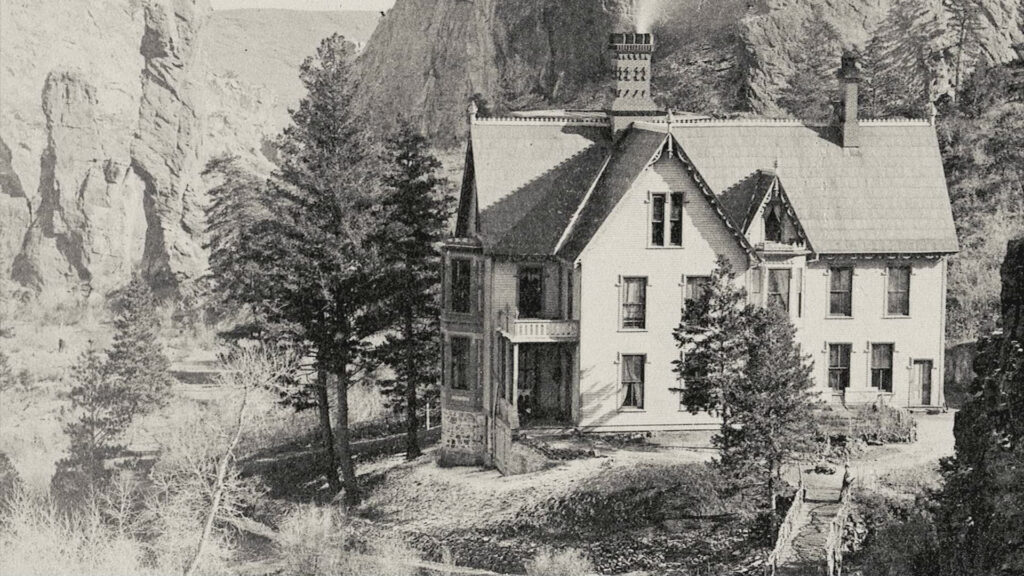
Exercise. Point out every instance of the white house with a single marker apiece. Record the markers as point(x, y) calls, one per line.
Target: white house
point(580, 236)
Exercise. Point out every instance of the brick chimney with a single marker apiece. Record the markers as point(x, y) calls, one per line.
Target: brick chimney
point(632, 70)
point(849, 77)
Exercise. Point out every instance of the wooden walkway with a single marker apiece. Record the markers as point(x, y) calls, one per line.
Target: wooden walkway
point(807, 553)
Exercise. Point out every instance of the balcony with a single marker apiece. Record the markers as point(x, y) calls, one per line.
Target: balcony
point(525, 330)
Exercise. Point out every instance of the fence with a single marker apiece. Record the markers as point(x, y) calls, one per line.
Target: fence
point(834, 539)
point(785, 534)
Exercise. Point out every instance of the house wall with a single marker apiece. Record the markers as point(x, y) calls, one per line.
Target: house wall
point(918, 336)
point(620, 248)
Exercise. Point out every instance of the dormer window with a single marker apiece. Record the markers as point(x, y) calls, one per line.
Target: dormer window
point(667, 219)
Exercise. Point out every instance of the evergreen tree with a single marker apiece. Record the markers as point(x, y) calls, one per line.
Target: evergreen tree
point(898, 63)
point(773, 418)
point(965, 24)
point(811, 89)
point(417, 204)
point(312, 254)
point(713, 339)
point(136, 358)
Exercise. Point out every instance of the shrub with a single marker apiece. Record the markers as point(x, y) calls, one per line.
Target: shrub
point(568, 562)
point(319, 540)
point(37, 538)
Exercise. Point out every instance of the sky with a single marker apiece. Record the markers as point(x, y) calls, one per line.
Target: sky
point(304, 4)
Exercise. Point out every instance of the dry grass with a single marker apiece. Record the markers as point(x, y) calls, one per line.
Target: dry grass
point(569, 562)
point(318, 540)
point(38, 539)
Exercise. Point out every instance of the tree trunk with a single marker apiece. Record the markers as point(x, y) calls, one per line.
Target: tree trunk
point(327, 436)
point(348, 469)
point(412, 443)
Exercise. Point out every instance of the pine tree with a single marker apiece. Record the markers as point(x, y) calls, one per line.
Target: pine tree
point(417, 204)
point(136, 357)
point(811, 88)
point(773, 418)
point(313, 257)
point(713, 339)
point(898, 63)
point(965, 24)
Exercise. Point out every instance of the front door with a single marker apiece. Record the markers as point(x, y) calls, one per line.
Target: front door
point(921, 383)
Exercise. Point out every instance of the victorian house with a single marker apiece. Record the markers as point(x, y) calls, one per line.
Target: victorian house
point(581, 235)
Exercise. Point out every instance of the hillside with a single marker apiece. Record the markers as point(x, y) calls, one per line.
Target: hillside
point(265, 47)
point(427, 57)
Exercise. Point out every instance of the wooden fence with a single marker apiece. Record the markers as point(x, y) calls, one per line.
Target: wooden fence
point(834, 539)
point(785, 534)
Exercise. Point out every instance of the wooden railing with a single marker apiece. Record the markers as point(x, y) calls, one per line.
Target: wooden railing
point(834, 539)
point(537, 329)
point(785, 534)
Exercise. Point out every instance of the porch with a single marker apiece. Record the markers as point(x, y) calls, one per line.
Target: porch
point(533, 383)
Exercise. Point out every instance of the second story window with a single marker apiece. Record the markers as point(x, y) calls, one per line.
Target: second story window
point(531, 292)
point(695, 286)
point(462, 285)
point(634, 303)
point(667, 219)
point(898, 291)
point(772, 225)
point(778, 288)
point(840, 296)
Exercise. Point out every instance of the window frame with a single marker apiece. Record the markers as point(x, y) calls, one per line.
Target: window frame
point(623, 291)
point(830, 368)
point(687, 279)
point(768, 284)
point(520, 271)
point(656, 227)
point(675, 218)
point(832, 292)
point(468, 368)
point(872, 370)
point(887, 312)
point(454, 263)
point(623, 382)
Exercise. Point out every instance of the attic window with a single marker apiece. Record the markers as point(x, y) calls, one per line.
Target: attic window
point(670, 228)
point(772, 226)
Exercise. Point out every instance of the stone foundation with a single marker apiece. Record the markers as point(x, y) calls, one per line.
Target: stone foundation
point(463, 438)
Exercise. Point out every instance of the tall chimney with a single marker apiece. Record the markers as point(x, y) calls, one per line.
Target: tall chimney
point(849, 76)
point(632, 70)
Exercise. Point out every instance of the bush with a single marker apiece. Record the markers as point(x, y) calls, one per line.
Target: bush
point(319, 540)
point(568, 562)
point(36, 538)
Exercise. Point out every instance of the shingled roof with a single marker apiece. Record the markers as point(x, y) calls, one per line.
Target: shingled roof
point(546, 186)
point(531, 176)
point(887, 196)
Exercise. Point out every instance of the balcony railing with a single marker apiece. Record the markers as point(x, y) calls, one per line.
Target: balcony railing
point(537, 329)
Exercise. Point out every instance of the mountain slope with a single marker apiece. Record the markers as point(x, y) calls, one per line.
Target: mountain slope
point(427, 57)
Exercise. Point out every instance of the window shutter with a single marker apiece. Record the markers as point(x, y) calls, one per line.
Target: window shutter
point(755, 286)
point(799, 281)
point(477, 289)
point(474, 364)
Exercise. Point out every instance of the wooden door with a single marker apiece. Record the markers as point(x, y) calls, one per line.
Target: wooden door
point(921, 383)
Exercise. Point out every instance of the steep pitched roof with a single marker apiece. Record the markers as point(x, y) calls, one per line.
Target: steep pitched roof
point(629, 157)
point(887, 196)
point(530, 177)
point(741, 200)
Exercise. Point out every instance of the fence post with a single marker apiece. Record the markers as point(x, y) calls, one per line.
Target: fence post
point(428, 415)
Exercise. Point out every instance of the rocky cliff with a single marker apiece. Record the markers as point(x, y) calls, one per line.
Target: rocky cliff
point(428, 57)
point(109, 109)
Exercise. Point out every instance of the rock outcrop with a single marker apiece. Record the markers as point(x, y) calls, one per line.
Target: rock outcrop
point(428, 57)
point(109, 114)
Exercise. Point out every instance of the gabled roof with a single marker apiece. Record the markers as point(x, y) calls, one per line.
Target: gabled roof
point(741, 201)
point(630, 156)
point(887, 196)
point(530, 177)
point(544, 186)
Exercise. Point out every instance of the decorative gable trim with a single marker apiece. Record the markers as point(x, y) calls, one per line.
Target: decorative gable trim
point(705, 190)
point(583, 203)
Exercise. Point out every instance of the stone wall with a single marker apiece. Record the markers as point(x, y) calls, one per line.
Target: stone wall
point(463, 438)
